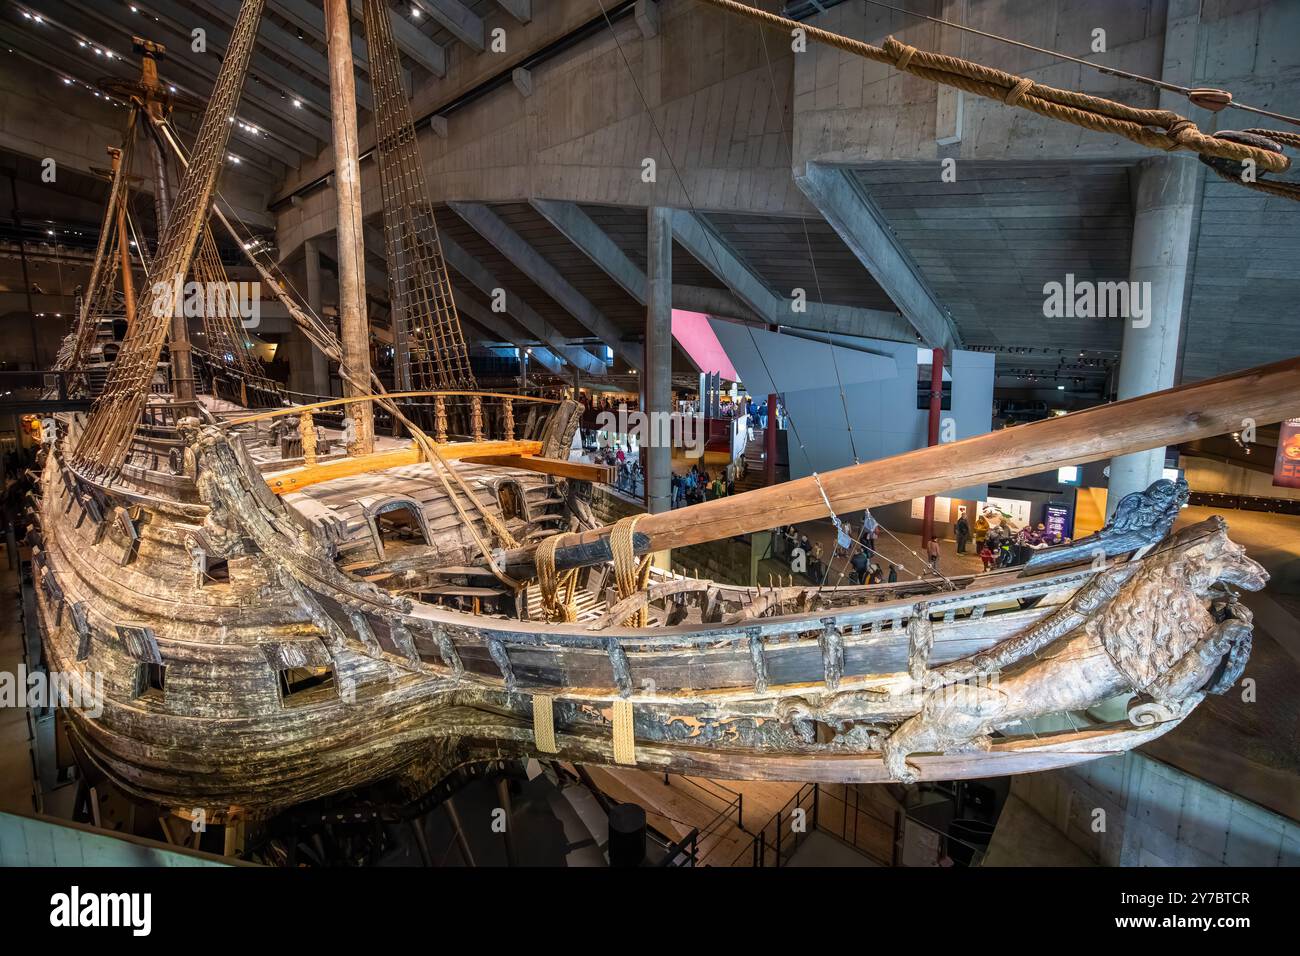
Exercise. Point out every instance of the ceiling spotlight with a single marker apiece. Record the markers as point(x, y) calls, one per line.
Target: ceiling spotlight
point(81, 43)
point(297, 104)
point(415, 13)
point(171, 89)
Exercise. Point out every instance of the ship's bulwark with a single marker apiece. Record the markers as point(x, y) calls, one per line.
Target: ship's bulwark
point(418, 689)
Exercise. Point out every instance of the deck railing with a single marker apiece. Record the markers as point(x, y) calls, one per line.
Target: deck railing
point(446, 416)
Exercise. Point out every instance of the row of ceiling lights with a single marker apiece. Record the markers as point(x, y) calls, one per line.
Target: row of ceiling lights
point(84, 43)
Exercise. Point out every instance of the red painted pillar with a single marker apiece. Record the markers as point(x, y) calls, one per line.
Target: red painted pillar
point(936, 410)
point(769, 442)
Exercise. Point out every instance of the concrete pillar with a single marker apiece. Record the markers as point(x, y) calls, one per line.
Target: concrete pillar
point(658, 354)
point(315, 371)
point(354, 331)
point(1164, 214)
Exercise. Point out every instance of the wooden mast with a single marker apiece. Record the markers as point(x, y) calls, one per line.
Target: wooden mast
point(123, 248)
point(1268, 393)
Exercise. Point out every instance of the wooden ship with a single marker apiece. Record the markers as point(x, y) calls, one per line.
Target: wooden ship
point(254, 617)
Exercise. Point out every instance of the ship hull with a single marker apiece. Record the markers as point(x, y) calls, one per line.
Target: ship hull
point(808, 690)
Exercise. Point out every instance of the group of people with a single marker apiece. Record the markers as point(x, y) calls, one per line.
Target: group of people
point(803, 554)
point(629, 472)
point(698, 485)
point(1000, 547)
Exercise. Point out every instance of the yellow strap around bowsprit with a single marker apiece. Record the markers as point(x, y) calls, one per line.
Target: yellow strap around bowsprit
point(624, 738)
point(544, 723)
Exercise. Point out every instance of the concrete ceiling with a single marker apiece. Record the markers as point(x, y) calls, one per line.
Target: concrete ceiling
point(1243, 308)
point(983, 246)
point(988, 243)
point(289, 64)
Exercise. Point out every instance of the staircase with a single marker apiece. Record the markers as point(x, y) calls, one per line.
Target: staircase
point(755, 462)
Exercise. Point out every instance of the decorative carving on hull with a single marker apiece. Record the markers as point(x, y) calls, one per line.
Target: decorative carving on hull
point(1159, 636)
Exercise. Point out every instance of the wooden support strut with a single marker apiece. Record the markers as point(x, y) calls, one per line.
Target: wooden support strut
point(1268, 393)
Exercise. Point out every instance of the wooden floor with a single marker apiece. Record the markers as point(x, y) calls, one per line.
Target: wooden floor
point(687, 803)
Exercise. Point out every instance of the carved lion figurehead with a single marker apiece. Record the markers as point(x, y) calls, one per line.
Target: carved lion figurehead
point(1162, 612)
point(1214, 561)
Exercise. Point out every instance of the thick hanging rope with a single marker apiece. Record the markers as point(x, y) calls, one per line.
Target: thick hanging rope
point(559, 591)
point(1156, 129)
point(630, 574)
point(1271, 139)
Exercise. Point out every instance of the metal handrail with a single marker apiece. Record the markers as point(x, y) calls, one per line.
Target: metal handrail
point(809, 798)
point(691, 840)
point(732, 797)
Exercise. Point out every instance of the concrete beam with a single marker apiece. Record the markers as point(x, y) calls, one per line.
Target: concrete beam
point(456, 17)
point(761, 305)
point(647, 18)
point(182, 21)
point(521, 10)
point(477, 275)
point(695, 235)
point(285, 44)
point(413, 42)
point(497, 326)
point(523, 80)
point(271, 115)
point(863, 228)
point(581, 230)
point(547, 278)
point(310, 18)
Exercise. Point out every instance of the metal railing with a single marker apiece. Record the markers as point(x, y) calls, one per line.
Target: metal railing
point(684, 853)
point(814, 807)
point(716, 790)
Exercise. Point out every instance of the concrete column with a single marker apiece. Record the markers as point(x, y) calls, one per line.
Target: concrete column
point(354, 331)
point(1164, 214)
point(315, 371)
point(658, 353)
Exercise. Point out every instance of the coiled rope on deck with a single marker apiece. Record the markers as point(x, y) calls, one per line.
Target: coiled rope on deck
point(1156, 129)
point(630, 574)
